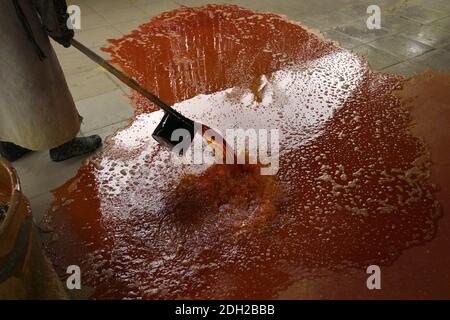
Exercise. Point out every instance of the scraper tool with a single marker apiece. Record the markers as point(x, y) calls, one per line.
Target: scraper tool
point(172, 119)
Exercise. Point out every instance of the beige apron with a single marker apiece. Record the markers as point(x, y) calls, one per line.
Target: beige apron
point(37, 110)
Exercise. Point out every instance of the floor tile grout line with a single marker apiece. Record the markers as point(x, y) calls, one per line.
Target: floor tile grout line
point(109, 125)
point(446, 17)
point(117, 83)
point(399, 57)
point(40, 195)
point(419, 22)
point(411, 60)
point(420, 63)
point(395, 64)
point(406, 36)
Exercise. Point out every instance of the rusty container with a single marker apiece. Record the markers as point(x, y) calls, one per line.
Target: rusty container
point(25, 272)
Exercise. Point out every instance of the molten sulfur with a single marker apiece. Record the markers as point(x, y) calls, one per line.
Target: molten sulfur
point(352, 187)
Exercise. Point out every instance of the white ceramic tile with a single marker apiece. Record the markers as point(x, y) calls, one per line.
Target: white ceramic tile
point(89, 84)
point(93, 20)
point(157, 7)
point(75, 62)
point(40, 205)
point(126, 27)
point(97, 37)
point(103, 110)
point(38, 173)
point(123, 15)
point(103, 5)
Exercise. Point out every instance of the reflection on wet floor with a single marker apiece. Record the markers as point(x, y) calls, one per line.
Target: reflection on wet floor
point(352, 188)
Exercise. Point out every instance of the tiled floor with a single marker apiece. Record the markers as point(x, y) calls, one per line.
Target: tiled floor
point(414, 34)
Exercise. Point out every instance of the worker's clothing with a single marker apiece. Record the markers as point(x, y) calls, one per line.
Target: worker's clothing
point(54, 18)
point(37, 111)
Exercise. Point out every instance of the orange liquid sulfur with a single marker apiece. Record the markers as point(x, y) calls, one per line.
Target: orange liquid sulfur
point(351, 189)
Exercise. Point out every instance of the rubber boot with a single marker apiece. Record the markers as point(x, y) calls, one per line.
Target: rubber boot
point(76, 147)
point(11, 151)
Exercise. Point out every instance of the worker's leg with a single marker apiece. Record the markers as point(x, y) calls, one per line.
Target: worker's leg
point(11, 151)
point(76, 147)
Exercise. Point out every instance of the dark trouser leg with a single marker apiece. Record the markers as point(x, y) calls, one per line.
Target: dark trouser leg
point(11, 151)
point(76, 147)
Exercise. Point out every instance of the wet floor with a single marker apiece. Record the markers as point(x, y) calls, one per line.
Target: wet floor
point(352, 189)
